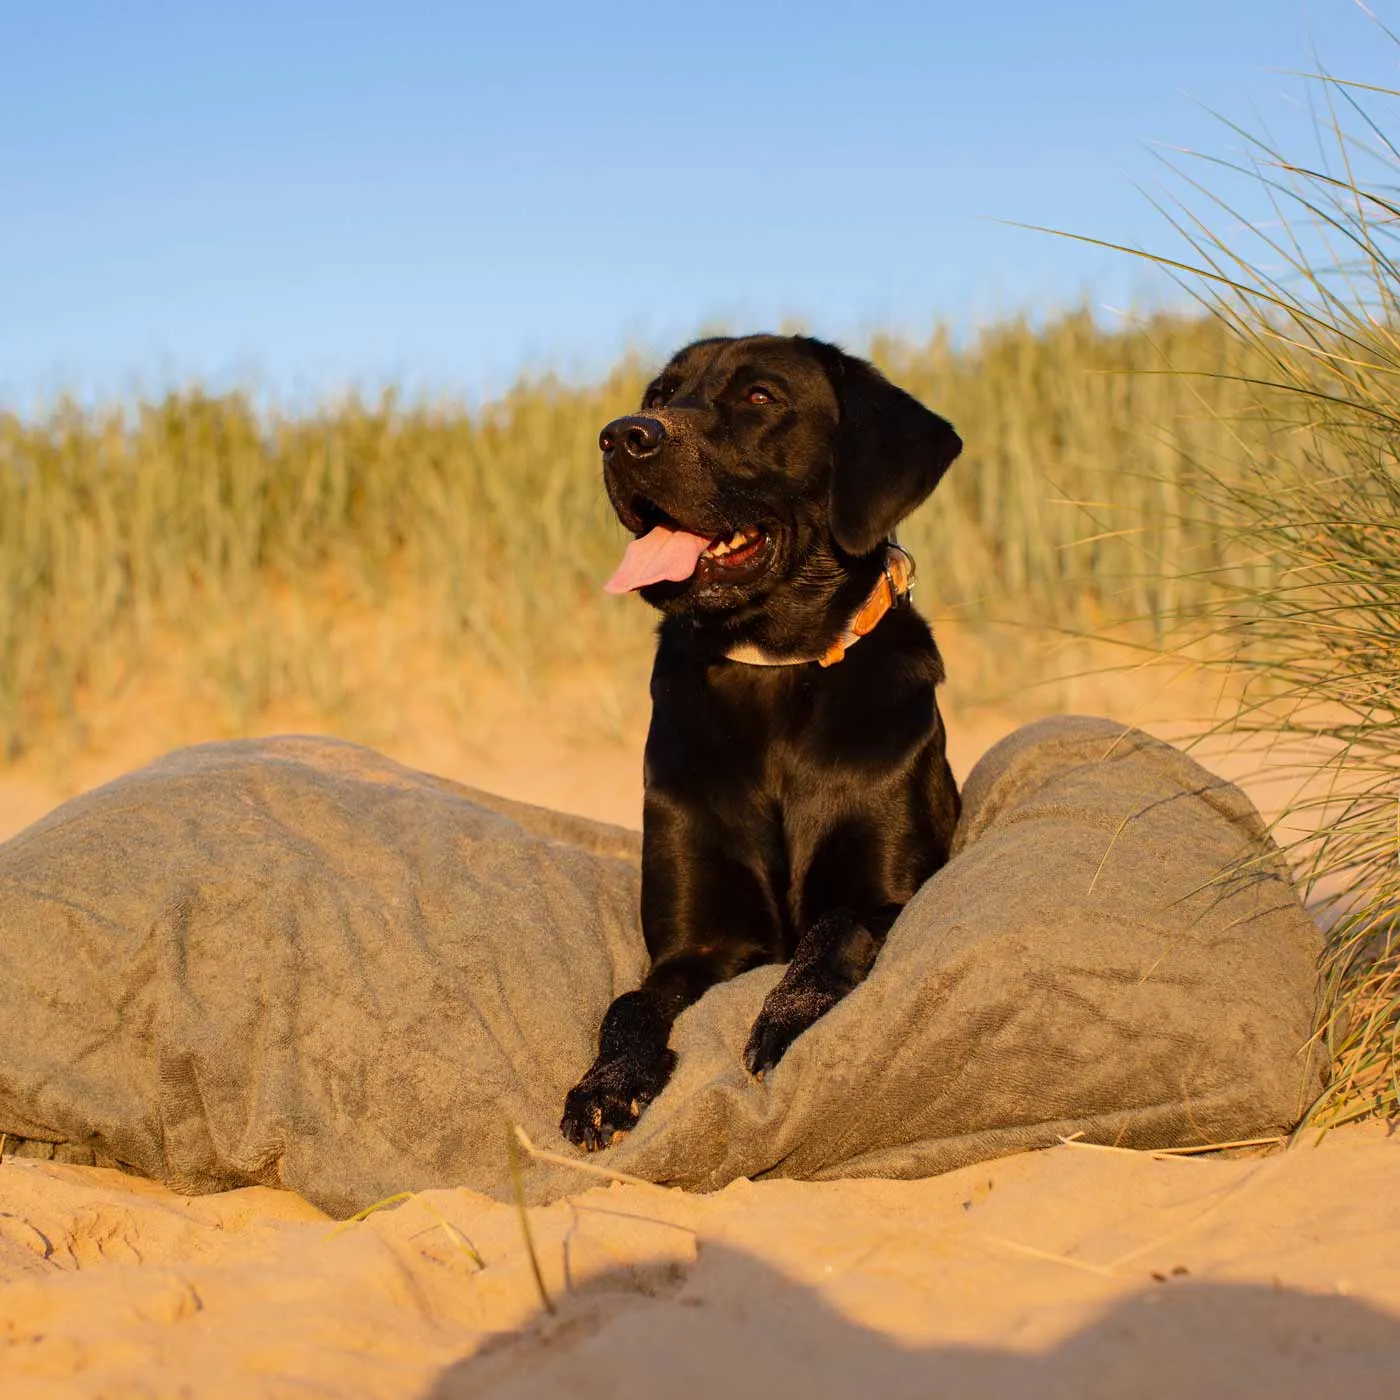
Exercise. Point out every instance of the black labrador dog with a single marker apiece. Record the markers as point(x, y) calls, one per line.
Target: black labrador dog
point(797, 792)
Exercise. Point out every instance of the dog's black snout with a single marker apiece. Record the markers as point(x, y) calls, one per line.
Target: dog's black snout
point(632, 437)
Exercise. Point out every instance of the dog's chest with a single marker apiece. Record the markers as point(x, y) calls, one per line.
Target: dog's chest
point(818, 785)
point(782, 720)
point(787, 741)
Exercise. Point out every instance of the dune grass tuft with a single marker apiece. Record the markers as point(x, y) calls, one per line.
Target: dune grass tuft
point(1308, 289)
point(248, 557)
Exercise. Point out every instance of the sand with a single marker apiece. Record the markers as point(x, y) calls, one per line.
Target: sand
point(1074, 1272)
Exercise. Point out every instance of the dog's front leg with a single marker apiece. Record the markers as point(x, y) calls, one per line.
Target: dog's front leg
point(634, 1060)
point(832, 958)
point(707, 914)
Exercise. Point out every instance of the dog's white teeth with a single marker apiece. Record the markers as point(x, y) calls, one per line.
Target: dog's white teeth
point(737, 540)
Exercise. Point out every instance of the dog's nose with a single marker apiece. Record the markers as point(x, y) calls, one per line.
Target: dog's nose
point(637, 438)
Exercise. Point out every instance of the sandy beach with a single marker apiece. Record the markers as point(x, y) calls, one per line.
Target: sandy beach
point(1077, 1271)
point(1073, 1272)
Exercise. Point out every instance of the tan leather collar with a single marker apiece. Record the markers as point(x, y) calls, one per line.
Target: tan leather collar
point(895, 585)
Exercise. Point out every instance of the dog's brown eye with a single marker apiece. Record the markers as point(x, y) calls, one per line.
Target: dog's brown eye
point(758, 395)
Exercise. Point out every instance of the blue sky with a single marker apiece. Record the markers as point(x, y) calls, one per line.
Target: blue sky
point(308, 196)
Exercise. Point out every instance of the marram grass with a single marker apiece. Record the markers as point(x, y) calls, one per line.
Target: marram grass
point(249, 555)
point(1308, 290)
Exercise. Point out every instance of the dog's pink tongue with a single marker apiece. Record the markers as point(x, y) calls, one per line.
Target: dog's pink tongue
point(659, 554)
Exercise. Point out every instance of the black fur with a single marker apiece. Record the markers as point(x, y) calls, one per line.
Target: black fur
point(791, 811)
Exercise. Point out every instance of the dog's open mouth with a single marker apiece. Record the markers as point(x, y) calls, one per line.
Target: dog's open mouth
point(738, 549)
point(667, 555)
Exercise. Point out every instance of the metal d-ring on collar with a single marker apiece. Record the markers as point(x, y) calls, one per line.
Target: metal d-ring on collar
point(898, 599)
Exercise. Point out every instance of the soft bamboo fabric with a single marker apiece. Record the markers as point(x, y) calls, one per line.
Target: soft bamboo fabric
point(293, 961)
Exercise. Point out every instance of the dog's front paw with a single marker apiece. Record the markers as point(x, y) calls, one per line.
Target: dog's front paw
point(788, 1010)
point(609, 1099)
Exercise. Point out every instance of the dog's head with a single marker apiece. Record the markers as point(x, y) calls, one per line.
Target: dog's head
point(761, 464)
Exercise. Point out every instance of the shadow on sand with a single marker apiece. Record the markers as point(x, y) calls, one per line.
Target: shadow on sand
point(731, 1328)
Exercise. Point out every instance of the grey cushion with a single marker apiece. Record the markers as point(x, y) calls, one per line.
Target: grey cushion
point(292, 961)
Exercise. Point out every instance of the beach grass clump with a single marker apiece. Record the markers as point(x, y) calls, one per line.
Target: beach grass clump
point(246, 556)
point(1308, 286)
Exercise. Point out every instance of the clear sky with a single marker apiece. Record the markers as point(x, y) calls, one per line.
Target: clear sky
point(309, 195)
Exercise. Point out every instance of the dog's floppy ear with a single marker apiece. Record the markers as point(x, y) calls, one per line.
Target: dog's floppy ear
point(890, 452)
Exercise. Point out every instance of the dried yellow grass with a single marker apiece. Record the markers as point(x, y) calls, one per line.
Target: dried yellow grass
point(254, 557)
